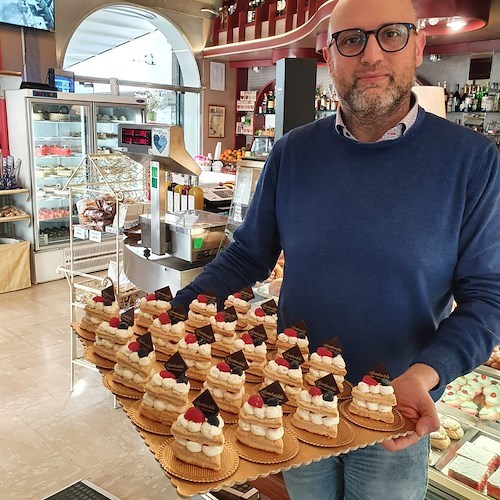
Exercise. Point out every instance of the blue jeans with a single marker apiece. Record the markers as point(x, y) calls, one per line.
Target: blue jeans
point(370, 473)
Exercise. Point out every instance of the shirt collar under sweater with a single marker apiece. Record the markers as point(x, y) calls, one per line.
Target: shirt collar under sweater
point(394, 133)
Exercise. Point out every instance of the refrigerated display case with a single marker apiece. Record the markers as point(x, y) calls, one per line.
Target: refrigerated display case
point(52, 132)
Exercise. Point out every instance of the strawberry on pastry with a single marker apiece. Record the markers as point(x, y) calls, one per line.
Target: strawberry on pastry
point(324, 361)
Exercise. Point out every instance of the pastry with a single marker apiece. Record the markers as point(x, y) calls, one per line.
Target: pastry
point(165, 334)
point(325, 361)
point(291, 337)
point(468, 472)
point(287, 373)
point(488, 444)
point(226, 382)
point(255, 351)
point(224, 328)
point(198, 436)
point(493, 485)
point(440, 439)
point(90, 323)
point(166, 394)
point(317, 412)
point(241, 302)
point(260, 421)
point(451, 399)
point(478, 454)
point(492, 395)
point(134, 363)
point(111, 336)
point(452, 427)
point(469, 407)
point(102, 309)
point(267, 316)
point(153, 305)
point(489, 413)
point(200, 311)
point(196, 353)
point(373, 400)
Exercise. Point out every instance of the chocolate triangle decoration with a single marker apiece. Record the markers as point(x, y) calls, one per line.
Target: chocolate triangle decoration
point(258, 333)
point(177, 314)
point(247, 294)
point(328, 384)
point(211, 296)
point(128, 316)
point(237, 360)
point(334, 345)
point(379, 373)
point(164, 294)
point(176, 365)
point(270, 307)
point(293, 354)
point(108, 293)
point(146, 341)
point(231, 314)
point(301, 329)
point(205, 335)
point(206, 403)
point(275, 392)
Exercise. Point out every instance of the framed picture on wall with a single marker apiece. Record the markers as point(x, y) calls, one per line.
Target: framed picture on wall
point(216, 120)
point(217, 76)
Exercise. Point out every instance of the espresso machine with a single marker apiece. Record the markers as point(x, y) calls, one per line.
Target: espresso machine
point(174, 246)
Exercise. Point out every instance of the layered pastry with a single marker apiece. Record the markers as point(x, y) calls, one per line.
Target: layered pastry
point(224, 328)
point(373, 400)
point(200, 311)
point(260, 424)
point(440, 439)
point(166, 395)
point(255, 351)
point(197, 354)
point(468, 472)
point(317, 412)
point(150, 307)
point(324, 361)
point(227, 386)
point(289, 338)
point(288, 374)
point(241, 302)
point(111, 336)
point(166, 335)
point(267, 316)
point(493, 485)
point(198, 437)
point(134, 363)
point(478, 454)
point(96, 310)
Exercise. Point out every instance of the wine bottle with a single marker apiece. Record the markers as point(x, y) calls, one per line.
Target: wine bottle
point(456, 99)
point(196, 200)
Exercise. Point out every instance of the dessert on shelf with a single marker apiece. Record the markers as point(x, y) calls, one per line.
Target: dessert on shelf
point(267, 316)
point(200, 310)
point(198, 436)
point(134, 363)
point(493, 485)
point(226, 382)
point(166, 394)
point(260, 421)
point(100, 308)
point(374, 396)
point(452, 427)
point(112, 335)
point(440, 439)
point(196, 350)
point(468, 472)
point(327, 359)
point(241, 302)
point(224, 328)
point(294, 335)
point(152, 305)
point(253, 345)
point(167, 330)
point(317, 410)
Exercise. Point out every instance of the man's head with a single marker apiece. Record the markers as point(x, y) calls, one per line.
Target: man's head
point(376, 82)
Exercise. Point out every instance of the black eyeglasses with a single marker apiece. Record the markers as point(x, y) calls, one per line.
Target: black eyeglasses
point(390, 37)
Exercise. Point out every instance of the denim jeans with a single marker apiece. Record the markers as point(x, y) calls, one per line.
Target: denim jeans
point(370, 473)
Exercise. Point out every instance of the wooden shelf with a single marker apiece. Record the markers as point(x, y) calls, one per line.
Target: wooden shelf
point(6, 192)
point(14, 219)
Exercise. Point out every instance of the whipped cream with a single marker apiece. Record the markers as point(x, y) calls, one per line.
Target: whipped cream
point(128, 374)
point(119, 333)
point(159, 304)
point(264, 412)
point(204, 349)
point(250, 348)
point(204, 306)
point(228, 326)
point(107, 344)
point(134, 357)
point(170, 383)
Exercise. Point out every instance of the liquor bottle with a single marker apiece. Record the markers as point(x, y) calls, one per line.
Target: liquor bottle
point(317, 99)
point(478, 98)
point(168, 182)
point(185, 197)
point(177, 197)
point(196, 200)
point(456, 100)
point(270, 103)
point(264, 103)
point(170, 197)
point(250, 11)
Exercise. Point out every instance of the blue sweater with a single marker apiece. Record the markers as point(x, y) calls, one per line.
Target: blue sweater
point(378, 239)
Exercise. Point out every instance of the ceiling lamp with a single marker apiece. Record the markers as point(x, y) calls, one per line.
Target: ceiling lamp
point(452, 16)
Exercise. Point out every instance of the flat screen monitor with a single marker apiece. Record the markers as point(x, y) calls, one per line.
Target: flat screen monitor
point(64, 81)
point(37, 14)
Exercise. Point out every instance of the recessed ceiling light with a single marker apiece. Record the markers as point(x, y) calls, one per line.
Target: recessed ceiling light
point(456, 23)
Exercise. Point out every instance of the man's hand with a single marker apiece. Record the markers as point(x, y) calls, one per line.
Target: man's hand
point(412, 392)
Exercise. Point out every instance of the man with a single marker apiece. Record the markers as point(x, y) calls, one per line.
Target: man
point(385, 213)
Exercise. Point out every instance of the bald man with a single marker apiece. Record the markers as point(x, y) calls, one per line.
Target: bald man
point(385, 214)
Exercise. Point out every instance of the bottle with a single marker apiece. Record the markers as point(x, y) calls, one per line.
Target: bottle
point(196, 200)
point(250, 11)
point(168, 182)
point(170, 197)
point(185, 197)
point(317, 99)
point(270, 103)
point(264, 103)
point(479, 98)
point(177, 197)
point(456, 99)
point(449, 102)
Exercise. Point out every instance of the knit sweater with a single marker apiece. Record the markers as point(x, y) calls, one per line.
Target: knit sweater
point(378, 240)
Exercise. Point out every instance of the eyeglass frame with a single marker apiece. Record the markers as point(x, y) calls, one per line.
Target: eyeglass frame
point(334, 36)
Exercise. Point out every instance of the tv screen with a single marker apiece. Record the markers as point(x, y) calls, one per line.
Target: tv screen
point(38, 14)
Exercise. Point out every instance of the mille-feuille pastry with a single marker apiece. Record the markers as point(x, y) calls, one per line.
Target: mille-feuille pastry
point(286, 370)
point(493, 485)
point(440, 439)
point(112, 335)
point(101, 308)
point(291, 337)
point(197, 354)
point(134, 363)
point(153, 305)
point(260, 421)
point(226, 382)
point(255, 350)
point(198, 436)
point(166, 394)
point(267, 316)
point(167, 332)
point(241, 302)
point(200, 310)
point(317, 412)
point(324, 361)
point(224, 328)
point(374, 400)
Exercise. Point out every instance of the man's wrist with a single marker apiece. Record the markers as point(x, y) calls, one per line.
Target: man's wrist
point(424, 374)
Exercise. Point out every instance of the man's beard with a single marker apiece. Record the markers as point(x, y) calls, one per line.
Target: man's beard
point(374, 101)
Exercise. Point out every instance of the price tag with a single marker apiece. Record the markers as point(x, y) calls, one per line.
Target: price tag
point(95, 236)
point(80, 233)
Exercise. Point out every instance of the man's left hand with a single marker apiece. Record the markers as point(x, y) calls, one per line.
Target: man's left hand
point(412, 392)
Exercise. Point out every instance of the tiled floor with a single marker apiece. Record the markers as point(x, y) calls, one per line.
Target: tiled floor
point(51, 437)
